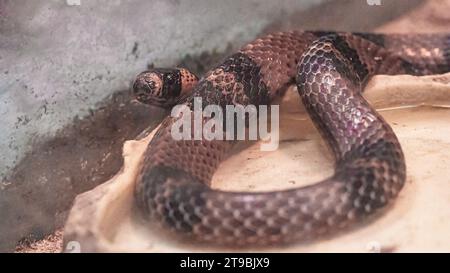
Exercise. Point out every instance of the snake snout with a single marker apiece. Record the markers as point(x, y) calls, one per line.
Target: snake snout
point(147, 87)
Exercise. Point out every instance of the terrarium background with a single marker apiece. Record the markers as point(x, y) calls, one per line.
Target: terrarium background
point(65, 73)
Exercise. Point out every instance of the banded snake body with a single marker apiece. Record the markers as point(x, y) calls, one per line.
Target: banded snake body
point(330, 70)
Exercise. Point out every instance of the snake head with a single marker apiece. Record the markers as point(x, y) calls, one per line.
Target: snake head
point(158, 87)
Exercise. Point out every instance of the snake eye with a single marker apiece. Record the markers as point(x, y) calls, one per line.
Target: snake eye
point(169, 79)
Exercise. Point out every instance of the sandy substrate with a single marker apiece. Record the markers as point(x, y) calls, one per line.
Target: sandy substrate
point(50, 244)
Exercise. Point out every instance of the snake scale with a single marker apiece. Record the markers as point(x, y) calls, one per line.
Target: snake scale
point(330, 70)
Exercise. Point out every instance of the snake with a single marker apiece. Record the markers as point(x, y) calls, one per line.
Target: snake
point(330, 71)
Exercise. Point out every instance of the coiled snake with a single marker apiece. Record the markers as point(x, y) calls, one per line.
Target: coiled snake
point(330, 71)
